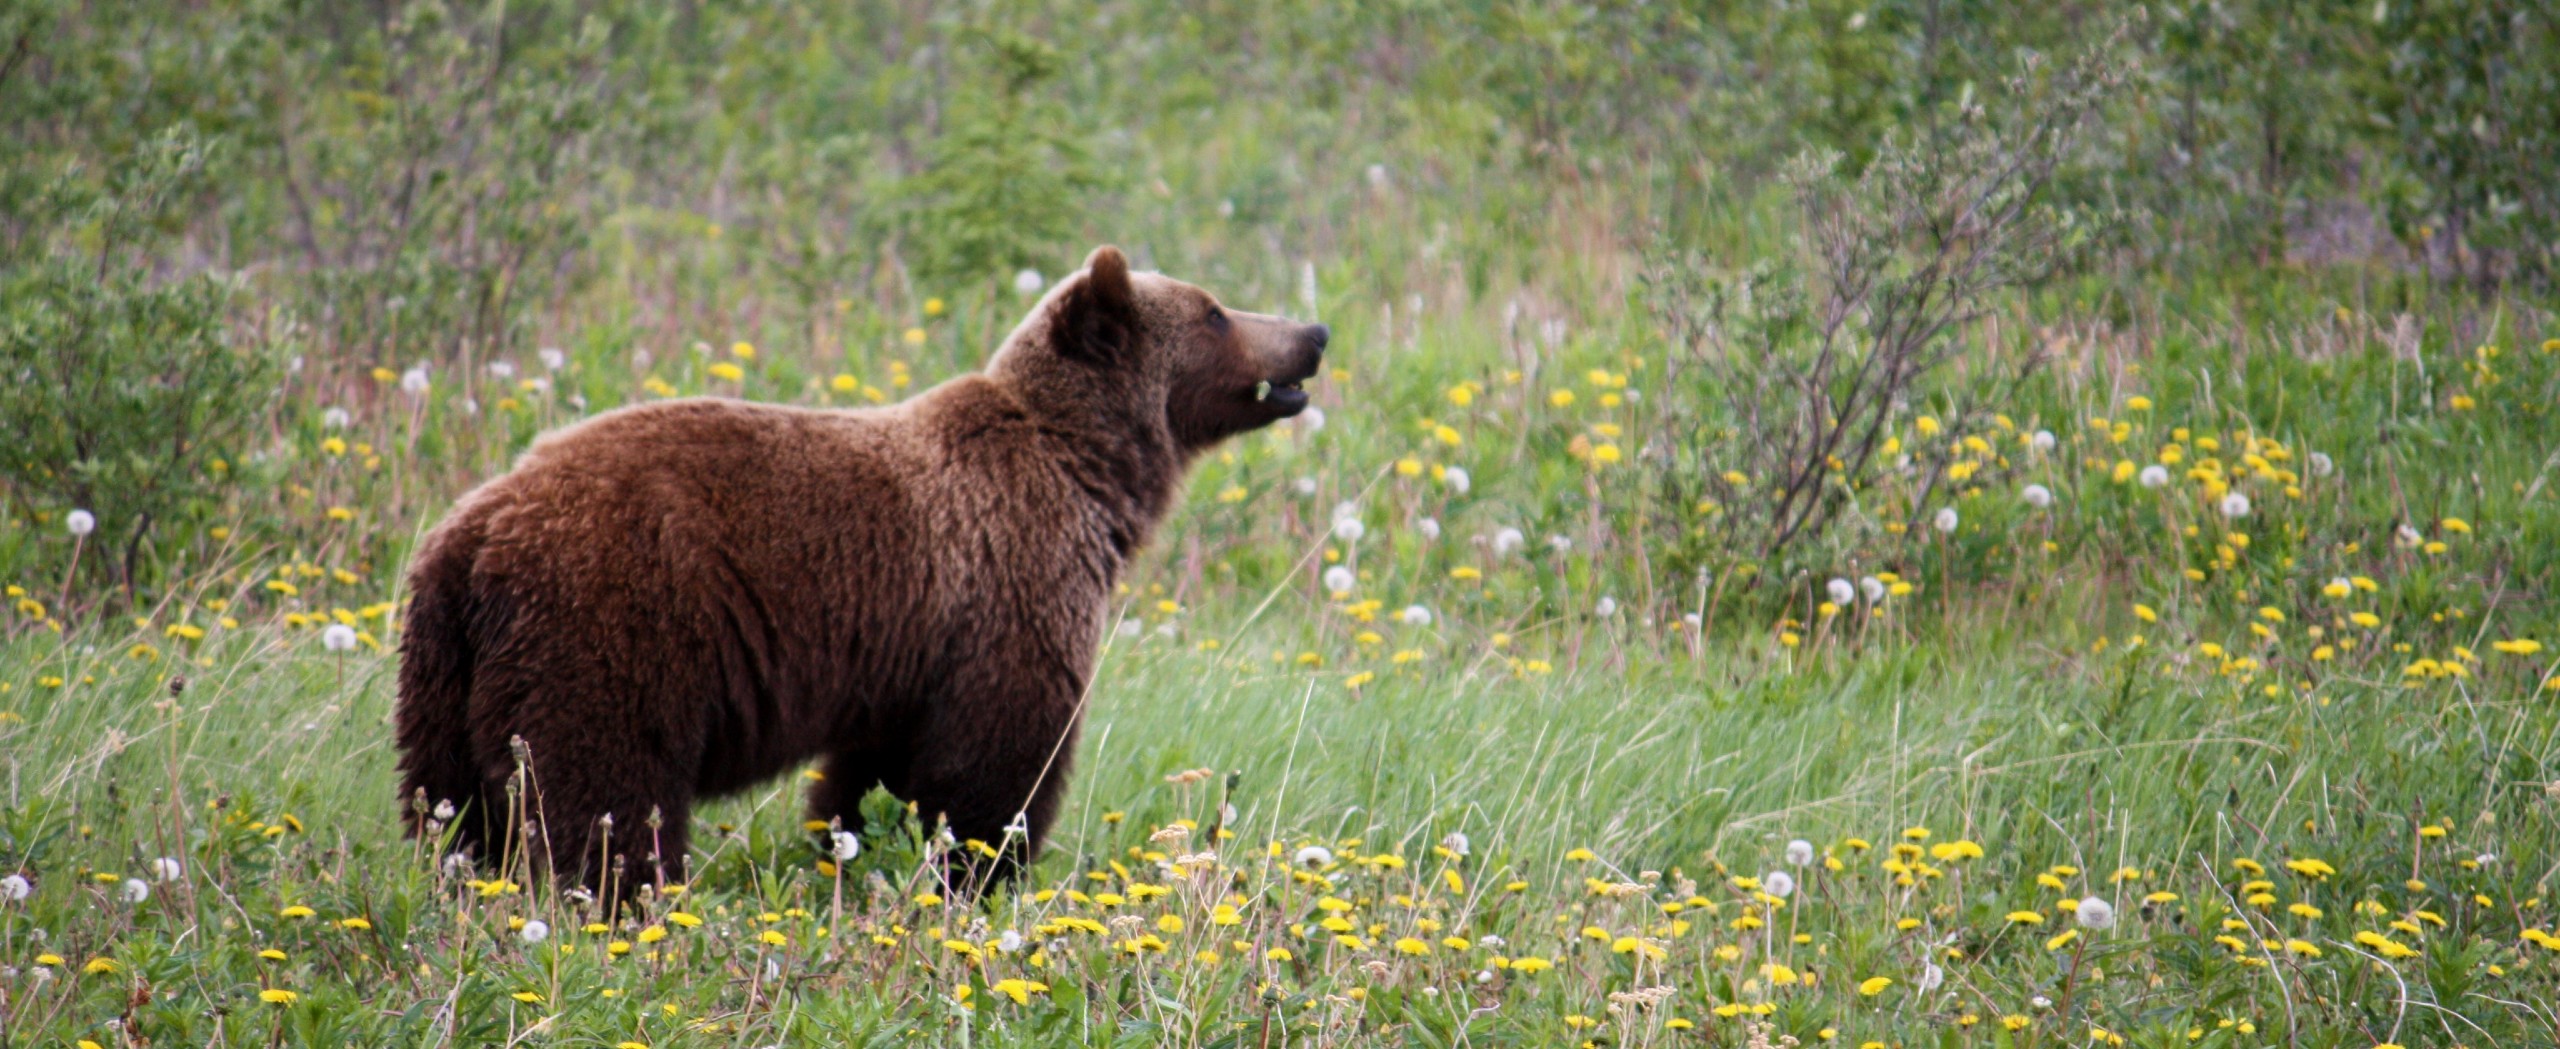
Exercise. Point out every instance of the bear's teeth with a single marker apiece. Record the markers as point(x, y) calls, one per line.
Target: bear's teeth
point(1262, 390)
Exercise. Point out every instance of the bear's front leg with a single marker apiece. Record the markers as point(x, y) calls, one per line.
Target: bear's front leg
point(991, 763)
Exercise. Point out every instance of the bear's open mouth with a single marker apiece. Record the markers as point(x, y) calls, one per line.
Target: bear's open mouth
point(1288, 395)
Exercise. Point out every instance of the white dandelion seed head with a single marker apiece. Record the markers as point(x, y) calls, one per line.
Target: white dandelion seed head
point(1029, 281)
point(1457, 844)
point(2037, 496)
point(1340, 579)
point(1312, 856)
point(1946, 520)
point(1506, 540)
point(1692, 620)
point(339, 637)
point(2153, 476)
point(1344, 511)
point(844, 845)
point(16, 887)
point(1167, 629)
point(1377, 176)
point(1227, 208)
point(2485, 859)
point(1349, 529)
point(1457, 479)
point(1872, 587)
point(2322, 465)
point(1303, 486)
point(2041, 441)
point(535, 931)
point(1429, 527)
point(168, 868)
point(2235, 505)
point(414, 382)
point(1482, 975)
point(443, 811)
point(2040, 1002)
point(335, 418)
point(1560, 544)
point(1605, 607)
point(1779, 883)
point(1800, 853)
point(2094, 913)
point(1414, 615)
point(134, 890)
point(1930, 977)
point(1010, 942)
point(1491, 940)
point(457, 862)
point(503, 369)
point(80, 522)
point(2407, 536)
point(1129, 628)
point(1842, 591)
point(552, 358)
point(1310, 420)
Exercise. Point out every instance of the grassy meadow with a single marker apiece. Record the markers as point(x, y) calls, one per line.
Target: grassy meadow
point(2169, 666)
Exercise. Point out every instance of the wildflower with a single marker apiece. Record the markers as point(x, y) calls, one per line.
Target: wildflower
point(1414, 615)
point(535, 931)
point(1607, 606)
point(134, 890)
point(80, 522)
point(338, 637)
point(1800, 853)
point(1456, 479)
point(354, 924)
point(15, 887)
point(1930, 977)
point(295, 911)
point(681, 918)
point(1028, 281)
point(1349, 529)
point(2037, 496)
point(277, 996)
point(1313, 856)
point(2235, 505)
point(1874, 985)
point(1506, 540)
point(1339, 580)
point(2040, 441)
point(1457, 844)
point(1842, 593)
point(414, 382)
point(168, 868)
point(2153, 476)
point(334, 418)
point(844, 845)
point(1946, 519)
point(1779, 884)
point(2094, 913)
point(1429, 527)
point(2025, 918)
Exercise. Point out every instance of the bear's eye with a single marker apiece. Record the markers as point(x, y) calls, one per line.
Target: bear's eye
point(1216, 320)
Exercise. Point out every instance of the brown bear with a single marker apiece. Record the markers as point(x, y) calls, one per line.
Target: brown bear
point(681, 599)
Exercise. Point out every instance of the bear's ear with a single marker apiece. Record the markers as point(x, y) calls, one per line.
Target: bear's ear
point(1098, 317)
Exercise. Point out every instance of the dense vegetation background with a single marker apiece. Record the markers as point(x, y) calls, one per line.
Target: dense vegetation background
point(1937, 522)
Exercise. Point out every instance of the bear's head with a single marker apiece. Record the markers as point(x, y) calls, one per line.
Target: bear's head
point(1170, 347)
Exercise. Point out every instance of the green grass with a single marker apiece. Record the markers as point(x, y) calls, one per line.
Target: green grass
point(1653, 760)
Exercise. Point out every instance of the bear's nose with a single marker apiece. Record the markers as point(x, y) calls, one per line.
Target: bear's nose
point(1318, 335)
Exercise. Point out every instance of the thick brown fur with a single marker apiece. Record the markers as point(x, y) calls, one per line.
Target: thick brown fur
point(679, 600)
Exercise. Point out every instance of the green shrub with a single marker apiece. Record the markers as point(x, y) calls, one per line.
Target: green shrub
point(119, 388)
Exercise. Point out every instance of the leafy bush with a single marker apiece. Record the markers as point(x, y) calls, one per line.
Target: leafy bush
point(118, 389)
point(1789, 380)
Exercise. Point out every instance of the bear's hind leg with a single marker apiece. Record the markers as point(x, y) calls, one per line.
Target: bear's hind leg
point(604, 817)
